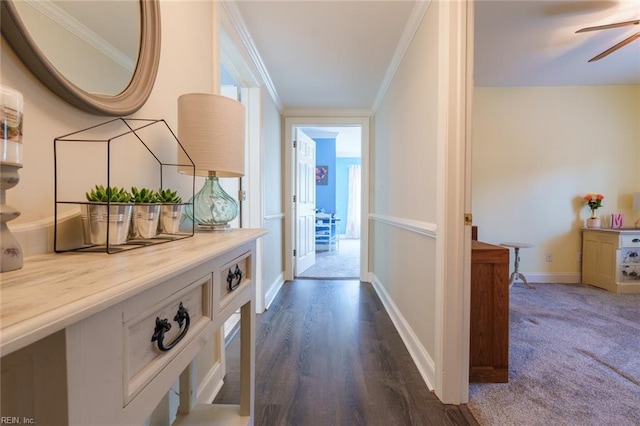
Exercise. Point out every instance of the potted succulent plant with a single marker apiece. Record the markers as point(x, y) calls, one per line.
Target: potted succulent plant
point(171, 211)
point(146, 210)
point(107, 212)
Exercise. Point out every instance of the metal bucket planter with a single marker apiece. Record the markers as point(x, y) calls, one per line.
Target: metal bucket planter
point(170, 217)
point(98, 217)
point(144, 220)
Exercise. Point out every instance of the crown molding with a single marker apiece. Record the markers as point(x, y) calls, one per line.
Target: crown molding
point(240, 27)
point(410, 29)
point(326, 112)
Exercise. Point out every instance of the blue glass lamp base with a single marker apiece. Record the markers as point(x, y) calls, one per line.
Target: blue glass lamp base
point(213, 208)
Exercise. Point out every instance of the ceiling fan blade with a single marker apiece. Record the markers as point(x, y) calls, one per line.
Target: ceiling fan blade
point(606, 27)
point(616, 47)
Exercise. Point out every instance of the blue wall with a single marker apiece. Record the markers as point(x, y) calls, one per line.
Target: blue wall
point(334, 197)
point(326, 156)
point(342, 189)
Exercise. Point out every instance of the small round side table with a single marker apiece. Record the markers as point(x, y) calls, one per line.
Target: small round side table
point(516, 264)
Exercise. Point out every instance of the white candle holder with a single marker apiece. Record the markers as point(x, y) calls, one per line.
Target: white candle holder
point(11, 107)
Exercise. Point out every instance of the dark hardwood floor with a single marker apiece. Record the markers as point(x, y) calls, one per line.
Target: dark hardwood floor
point(327, 354)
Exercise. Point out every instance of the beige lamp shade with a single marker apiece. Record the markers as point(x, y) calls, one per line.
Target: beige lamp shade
point(211, 131)
point(636, 201)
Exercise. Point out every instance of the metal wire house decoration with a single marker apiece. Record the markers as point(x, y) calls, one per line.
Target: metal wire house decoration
point(117, 154)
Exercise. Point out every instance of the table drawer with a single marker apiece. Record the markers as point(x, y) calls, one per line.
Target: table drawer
point(630, 240)
point(154, 337)
point(234, 276)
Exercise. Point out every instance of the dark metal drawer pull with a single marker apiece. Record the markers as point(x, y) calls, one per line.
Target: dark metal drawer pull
point(636, 240)
point(163, 325)
point(235, 275)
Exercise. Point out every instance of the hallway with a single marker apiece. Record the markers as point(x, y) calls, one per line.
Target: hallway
point(327, 353)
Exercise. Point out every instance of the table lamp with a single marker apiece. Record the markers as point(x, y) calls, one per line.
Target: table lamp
point(211, 131)
point(636, 207)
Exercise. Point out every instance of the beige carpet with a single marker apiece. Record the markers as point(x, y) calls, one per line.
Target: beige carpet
point(341, 263)
point(574, 359)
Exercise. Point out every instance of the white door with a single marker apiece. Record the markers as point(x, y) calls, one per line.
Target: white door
point(305, 204)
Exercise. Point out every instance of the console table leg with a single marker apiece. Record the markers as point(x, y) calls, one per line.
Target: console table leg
point(247, 360)
point(188, 388)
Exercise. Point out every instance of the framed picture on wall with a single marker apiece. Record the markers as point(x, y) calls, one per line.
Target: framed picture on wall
point(322, 174)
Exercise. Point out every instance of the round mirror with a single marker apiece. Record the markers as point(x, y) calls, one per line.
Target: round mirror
point(101, 56)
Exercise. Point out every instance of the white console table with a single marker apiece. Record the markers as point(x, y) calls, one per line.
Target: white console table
point(76, 330)
point(611, 259)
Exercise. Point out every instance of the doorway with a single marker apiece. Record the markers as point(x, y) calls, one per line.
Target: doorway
point(338, 195)
point(341, 199)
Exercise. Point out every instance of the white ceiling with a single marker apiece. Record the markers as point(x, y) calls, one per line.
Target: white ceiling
point(348, 138)
point(340, 54)
point(326, 54)
point(534, 43)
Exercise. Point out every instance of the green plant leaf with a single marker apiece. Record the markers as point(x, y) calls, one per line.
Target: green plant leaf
point(108, 194)
point(144, 195)
point(168, 196)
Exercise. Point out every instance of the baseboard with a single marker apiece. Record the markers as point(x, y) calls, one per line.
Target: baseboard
point(211, 385)
point(273, 290)
point(420, 356)
point(418, 353)
point(559, 277)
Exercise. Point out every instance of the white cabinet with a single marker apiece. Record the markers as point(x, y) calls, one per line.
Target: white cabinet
point(108, 335)
point(611, 259)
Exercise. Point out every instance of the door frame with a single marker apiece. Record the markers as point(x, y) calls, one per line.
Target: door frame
point(453, 274)
point(289, 184)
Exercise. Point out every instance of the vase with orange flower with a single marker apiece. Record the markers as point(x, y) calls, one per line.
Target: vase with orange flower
point(594, 201)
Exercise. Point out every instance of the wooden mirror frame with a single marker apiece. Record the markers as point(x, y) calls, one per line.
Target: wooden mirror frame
point(128, 101)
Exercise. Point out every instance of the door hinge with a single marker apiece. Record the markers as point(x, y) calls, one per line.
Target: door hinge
point(294, 198)
point(294, 252)
point(468, 219)
point(242, 195)
point(295, 144)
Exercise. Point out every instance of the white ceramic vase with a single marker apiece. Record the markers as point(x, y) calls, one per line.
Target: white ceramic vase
point(593, 222)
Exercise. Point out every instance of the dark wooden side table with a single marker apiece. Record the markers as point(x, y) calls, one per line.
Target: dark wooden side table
point(489, 346)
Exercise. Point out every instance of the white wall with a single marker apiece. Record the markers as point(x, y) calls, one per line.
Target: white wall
point(265, 133)
point(403, 193)
point(273, 174)
point(537, 151)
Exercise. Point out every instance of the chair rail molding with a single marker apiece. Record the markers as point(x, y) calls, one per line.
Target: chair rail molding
point(270, 217)
point(424, 228)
